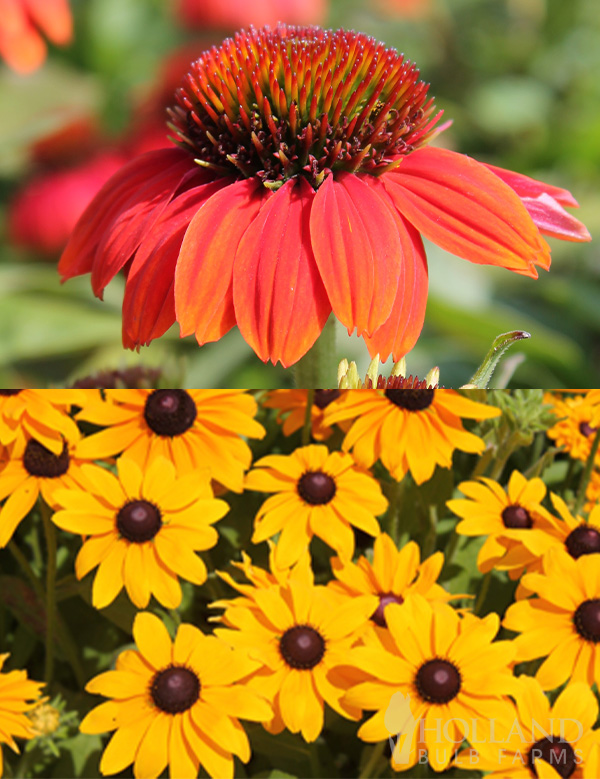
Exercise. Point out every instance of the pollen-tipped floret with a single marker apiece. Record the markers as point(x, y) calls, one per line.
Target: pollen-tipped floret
point(301, 100)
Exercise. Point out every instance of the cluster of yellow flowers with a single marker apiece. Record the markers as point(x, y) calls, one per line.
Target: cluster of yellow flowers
point(377, 634)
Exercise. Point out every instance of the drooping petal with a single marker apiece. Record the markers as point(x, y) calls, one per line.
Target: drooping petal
point(463, 207)
point(358, 251)
point(78, 256)
point(280, 303)
point(400, 332)
point(525, 186)
point(137, 217)
point(149, 303)
point(203, 277)
point(544, 203)
point(53, 17)
point(552, 219)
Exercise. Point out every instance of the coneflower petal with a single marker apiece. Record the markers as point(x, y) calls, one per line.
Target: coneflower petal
point(280, 303)
point(461, 206)
point(358, 251)
point(203, 277)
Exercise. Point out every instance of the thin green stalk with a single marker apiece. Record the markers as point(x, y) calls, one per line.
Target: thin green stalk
point(482, 594)
point(51, 550)
point(23, 564)
point(393, 492)
point(429, 543)
point(375, 757)
point(586, 475)
point(318, 368)
point(307, 427)
point(451, 547)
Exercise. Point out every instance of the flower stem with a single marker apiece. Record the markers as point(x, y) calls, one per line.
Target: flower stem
point(306, 429)
point(50, 534)
point(482, 594)
point(586, 475)
point(375, 757)
point(317, 369)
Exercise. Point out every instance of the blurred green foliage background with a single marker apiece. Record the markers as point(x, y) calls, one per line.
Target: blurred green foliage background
point(518, 77)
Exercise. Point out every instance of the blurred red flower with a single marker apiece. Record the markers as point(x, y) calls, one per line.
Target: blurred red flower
point(241, 13)
point(22, 21)
point(301, 186)
point(43, 214)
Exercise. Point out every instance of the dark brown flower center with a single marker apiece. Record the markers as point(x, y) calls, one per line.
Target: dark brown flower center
point(586, 429)
point(302, 647)
point(170, 412)
point(175, 689)
point(583, 540)
point(516, 517)
point(139, 521)
point(558, 753)
point(301, 101)
point(316, 488)
point(39, 461)
point(411, 399)
point(378, 615)
point(324, 397)
point(587, 620)
point(438, 681)
point(10, 392)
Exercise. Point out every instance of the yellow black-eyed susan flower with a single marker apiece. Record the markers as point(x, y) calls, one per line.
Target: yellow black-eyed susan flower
point(408, 429)
point(298, 632)
point(39, 414)
point(540, 741)
point(292, 409)
point(448, 668)
point(562, 623)
point(175, 703)
point(519, 529)
point(393, 576)
point(576, 425)
point(33, 471)
point(317, 493)
point(142, 530)
point(193, 428)
point(18, 694)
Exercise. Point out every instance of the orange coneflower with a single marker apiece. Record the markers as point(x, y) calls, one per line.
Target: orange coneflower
point(301, 185)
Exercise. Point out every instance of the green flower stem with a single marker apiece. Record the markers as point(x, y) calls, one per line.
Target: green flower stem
point(376, 757)
point(451, 547)
point(393, 492)
point(51, 550)
point(482, 594)
point(307, 427)
point(586, 475)
point(23, 564)
point(318, 368)
point(430, 538)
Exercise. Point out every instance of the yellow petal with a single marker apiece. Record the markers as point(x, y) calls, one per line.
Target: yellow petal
point(153, 639)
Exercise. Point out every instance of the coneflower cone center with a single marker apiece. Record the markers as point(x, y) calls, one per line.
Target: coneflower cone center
point(583, 540)
point(316, 488)
point(175, 689)
point(170, 412)
point(555, 751)
point(324, 397)
point(278, 103)
point(586, 429)
point(385, 599)
point(438, 681)
point(39, 461)
point(302, 647)
point(139, 521)
point(587, 620)
point(516, 517)
point(411, 399)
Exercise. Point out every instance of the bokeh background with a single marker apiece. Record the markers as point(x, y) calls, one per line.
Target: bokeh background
point(519, 78)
